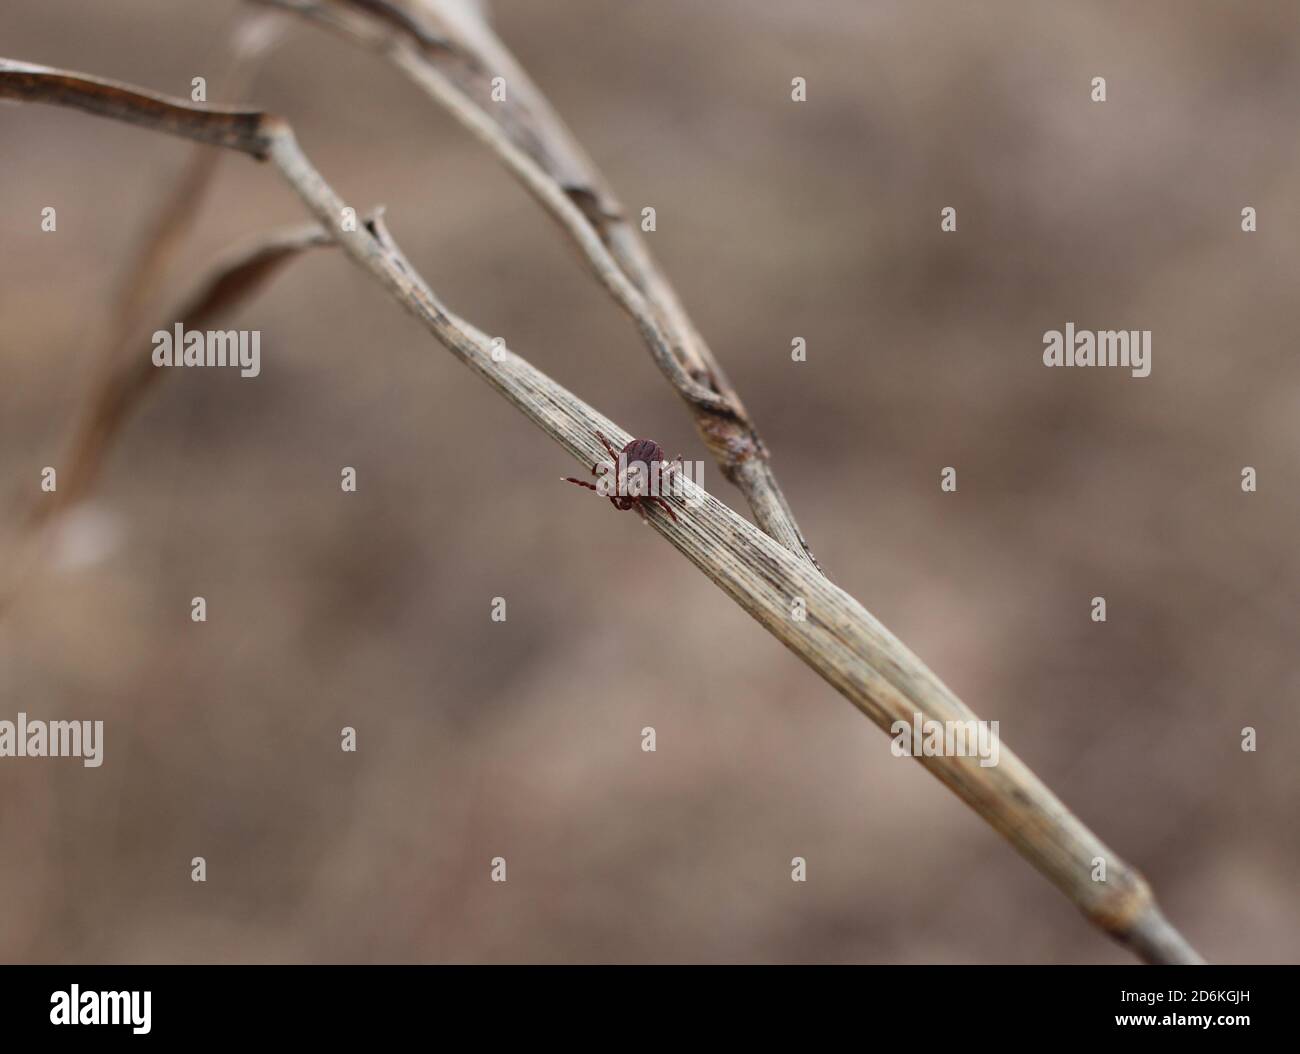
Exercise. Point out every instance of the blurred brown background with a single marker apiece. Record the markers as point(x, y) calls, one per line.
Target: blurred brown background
point(522, 739)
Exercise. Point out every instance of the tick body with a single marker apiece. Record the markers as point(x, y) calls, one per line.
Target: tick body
point(638, 455)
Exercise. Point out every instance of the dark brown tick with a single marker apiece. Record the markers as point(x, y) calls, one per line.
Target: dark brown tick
point(638, 452)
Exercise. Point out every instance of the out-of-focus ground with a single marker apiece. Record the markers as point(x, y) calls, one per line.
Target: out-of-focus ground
point(479, 739)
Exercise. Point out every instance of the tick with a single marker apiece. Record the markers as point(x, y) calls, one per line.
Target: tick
point(638, 452)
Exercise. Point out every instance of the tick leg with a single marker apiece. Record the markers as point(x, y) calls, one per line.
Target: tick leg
point(580, 483)
point(609, 449)
point(612, 502)
point(613, 457)
point(666, 508)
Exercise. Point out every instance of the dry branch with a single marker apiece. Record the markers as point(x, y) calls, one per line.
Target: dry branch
point(450, 52)
point(839, 639)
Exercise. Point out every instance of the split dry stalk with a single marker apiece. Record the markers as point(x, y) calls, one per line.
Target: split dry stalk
point(450, 52)
point(839, 638)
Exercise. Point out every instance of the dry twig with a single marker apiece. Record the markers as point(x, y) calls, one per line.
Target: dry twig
point(839, 639)
point(451, 53)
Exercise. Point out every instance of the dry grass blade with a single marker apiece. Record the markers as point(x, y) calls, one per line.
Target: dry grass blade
point(251, 40)
point(120, 382)
point(229, 282)
point(222, 288)
point(452, 54)
point(839, 639)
